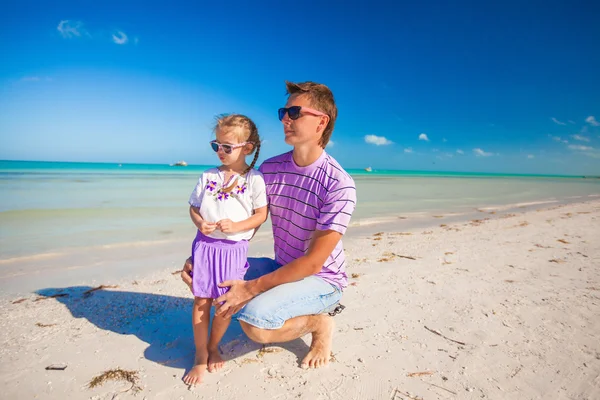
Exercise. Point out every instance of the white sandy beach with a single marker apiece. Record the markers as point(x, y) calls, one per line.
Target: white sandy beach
point(503, 307)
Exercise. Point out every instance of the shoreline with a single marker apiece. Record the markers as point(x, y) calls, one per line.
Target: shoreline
point(134, 260)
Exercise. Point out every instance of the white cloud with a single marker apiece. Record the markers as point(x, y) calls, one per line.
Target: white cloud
point(557, 121)
point(480, 153)
point(69, 29)
point(331, 143)
point(530, 156)
point(558, 139)
point(580, 147)
point(408, 150)
point(119, 37)
point(581, 138)
point(572, 122)
point(592, 121)
point(459, 151)
point(377, 140)
point(424, 137)
point(444, 140)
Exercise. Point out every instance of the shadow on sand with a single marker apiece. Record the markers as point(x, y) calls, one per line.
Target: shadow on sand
point(164, 322)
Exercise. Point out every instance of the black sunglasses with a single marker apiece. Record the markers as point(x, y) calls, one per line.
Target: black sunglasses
point(294, 112)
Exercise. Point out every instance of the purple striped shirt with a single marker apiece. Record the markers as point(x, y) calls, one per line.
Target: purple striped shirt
point(321, 196)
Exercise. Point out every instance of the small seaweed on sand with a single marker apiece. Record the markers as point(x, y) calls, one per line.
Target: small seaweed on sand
point(557, 261)
point(448, 253)
point(90, 291)
point(524, 223)
point(249, 361)
point(424, 373)
point(44, 325)
point(117, 374)
point(443, 225)
point(542, 247)
point(401, 233)
point(355, 275)
point(177, 272)
point(508, 215)
point(563, 241)
point(52, 296)
point(377, 238)
point(438, 216)
point(477, 222)
point(19, 301)
point(378, 234)
point(264, 350)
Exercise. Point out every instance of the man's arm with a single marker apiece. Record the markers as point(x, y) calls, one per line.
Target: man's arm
point(321, 246)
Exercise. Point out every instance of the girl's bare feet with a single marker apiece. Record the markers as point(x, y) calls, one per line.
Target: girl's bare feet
point(215, 362)
point(196, 375)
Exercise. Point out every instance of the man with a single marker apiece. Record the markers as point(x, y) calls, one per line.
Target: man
point(311, 200)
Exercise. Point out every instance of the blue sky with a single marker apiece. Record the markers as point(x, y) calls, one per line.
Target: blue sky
point(467, 86)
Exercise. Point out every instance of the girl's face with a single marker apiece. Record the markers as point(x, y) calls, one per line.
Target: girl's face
point(229, 139)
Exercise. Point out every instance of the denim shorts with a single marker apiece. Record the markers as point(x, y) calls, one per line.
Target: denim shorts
point(270, 310)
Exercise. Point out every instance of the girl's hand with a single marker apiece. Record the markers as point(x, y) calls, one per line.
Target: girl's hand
point(207, 227)
point(227, 226)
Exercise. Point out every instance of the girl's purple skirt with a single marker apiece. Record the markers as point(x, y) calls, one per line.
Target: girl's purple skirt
point(216, 261)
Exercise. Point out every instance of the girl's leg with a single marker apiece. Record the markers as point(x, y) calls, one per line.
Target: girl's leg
point(219, 327)
point(200, 320)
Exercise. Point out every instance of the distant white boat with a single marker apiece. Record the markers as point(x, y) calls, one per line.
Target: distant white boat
point(369, 169)
point(179, 164)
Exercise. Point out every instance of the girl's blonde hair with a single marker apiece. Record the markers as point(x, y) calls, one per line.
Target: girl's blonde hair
point(246, 131)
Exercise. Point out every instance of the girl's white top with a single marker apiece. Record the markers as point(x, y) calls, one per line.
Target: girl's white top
point(247, 195)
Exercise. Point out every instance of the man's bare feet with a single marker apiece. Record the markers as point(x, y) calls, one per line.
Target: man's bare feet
point(196, 374)
point(320, 347)
point(215, 362)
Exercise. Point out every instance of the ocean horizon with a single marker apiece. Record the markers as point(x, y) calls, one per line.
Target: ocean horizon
point(82, 166)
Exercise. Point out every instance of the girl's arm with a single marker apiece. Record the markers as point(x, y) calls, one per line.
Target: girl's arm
point(205, 227)
point(256, 220)
point(195, 216)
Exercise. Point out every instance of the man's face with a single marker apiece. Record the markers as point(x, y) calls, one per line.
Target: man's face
point(308, 128)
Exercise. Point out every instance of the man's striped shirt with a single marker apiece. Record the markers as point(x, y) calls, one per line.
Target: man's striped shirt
point(321, 196)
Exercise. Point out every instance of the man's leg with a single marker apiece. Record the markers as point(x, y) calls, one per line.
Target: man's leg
point(290, 311)
point(320, 326)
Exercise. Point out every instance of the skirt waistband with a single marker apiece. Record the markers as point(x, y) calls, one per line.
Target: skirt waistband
point(220, 242)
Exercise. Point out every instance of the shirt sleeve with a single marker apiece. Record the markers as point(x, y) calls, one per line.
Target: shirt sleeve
point(259, 192)
point(198, 193)
point(338, 206)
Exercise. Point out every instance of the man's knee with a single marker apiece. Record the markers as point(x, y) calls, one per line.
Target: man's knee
point(255, 334)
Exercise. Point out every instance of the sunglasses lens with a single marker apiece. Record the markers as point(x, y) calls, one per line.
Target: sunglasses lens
point(226, 148)
point(214, 146)
point(281, 113)
point(294, 112)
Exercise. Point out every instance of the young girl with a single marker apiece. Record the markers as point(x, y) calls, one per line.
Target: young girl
point(227, 205)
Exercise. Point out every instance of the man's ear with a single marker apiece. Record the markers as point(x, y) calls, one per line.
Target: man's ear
point(323, 124)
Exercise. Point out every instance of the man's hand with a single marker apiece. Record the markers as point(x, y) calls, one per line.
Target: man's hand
point(237, 297)
point(227, 226)
point(207, 227)
point(186, 272)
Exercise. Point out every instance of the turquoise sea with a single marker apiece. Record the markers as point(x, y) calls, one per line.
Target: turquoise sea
point(52, 213)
